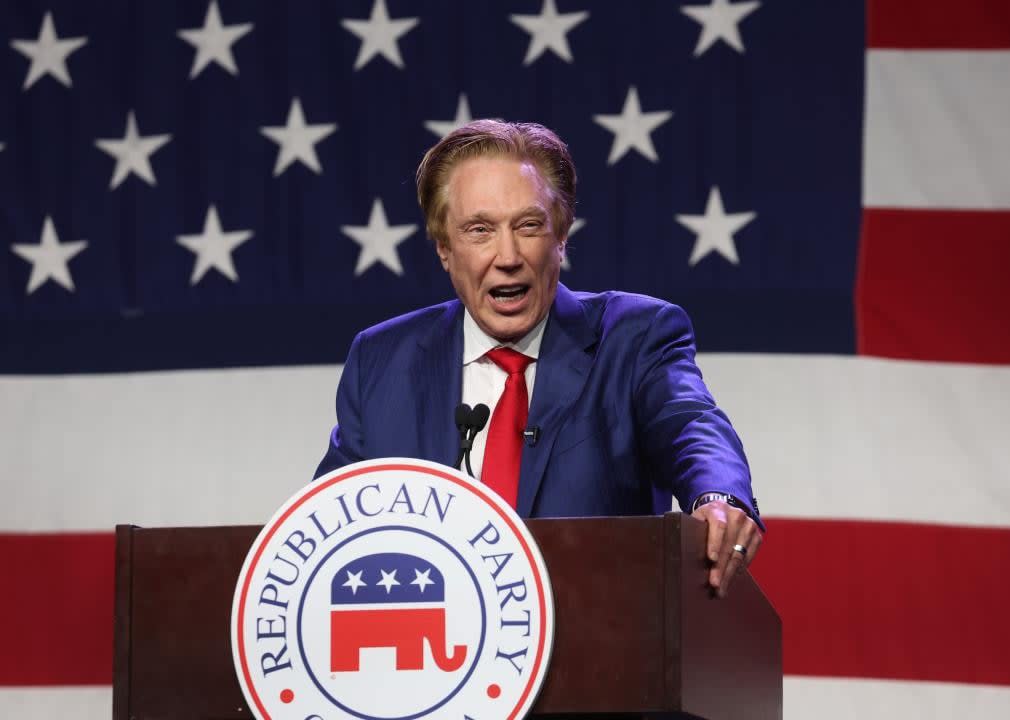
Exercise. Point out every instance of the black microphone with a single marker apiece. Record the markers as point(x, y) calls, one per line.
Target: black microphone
point(531, 435)
point(469, 422)
point(463, 414)
point(481, 413)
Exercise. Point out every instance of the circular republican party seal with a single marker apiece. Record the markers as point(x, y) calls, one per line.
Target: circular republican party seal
point(391, 590)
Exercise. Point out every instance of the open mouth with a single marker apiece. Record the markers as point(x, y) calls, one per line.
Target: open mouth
point(508, 295)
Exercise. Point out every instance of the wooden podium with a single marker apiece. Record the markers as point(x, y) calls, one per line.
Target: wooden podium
point(637, 630)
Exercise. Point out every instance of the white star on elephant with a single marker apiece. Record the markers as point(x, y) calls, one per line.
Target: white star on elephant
point(388, 580)
point(421, 579)
point(354, 581)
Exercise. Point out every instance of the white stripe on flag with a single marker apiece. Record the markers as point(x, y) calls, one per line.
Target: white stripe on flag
point(936, 129)
point(805, 697)
point(827, 436)
point(47, 703)
point(869, 439)
point(844, 699)
point(211, 447)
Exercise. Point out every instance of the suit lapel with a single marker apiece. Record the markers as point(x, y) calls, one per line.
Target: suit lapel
point(562, 369)
point(437, 376)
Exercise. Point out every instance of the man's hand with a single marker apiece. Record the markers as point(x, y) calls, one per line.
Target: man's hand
point(728, 527)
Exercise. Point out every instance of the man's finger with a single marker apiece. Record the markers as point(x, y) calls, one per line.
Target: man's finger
point(716, 532)
point(717, 575)
point(736, 561)
point(740, 554)
point(753, 546)
point(725, 565)
point(744, 549)
point(738, 548)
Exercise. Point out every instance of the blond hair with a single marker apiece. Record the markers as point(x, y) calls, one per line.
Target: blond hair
point(522, 141)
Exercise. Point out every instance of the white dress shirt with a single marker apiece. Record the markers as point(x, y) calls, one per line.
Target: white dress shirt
point(484, 382)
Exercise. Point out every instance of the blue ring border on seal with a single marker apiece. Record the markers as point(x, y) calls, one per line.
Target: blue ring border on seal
point(480, 645)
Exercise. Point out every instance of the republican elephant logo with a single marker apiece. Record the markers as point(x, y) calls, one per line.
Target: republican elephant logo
point(390, 600)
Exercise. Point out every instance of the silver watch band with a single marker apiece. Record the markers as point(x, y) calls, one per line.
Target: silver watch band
point(708, 497)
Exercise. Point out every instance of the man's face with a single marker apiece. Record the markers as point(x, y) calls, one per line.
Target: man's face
point(502, 253)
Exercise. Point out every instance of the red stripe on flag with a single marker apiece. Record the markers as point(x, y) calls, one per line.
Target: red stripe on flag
point(933, 285)
point(913, 24)
point(57, 609)
point(857, 599)
point(889, 600)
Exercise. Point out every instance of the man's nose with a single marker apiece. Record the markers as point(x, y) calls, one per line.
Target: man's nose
point(508, 250)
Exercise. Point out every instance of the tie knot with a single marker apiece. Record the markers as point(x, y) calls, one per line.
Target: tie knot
point(509, 360)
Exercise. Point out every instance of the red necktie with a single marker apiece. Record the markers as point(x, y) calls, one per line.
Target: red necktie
point(505, 435)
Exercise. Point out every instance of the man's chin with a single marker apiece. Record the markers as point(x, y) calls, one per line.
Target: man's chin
point(510, 330)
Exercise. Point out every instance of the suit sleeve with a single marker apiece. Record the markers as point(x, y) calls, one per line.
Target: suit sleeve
point(346, 440)
point(689, 442)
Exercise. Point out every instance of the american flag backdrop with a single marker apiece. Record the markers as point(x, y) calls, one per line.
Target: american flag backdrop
point(202, 202)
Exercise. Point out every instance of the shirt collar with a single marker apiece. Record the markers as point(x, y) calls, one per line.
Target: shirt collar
point(476, 342)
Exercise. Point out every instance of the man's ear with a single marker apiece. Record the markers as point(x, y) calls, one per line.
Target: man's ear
point(442, 248)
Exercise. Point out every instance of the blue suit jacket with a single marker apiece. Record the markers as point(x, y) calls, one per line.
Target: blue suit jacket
point(625, 417)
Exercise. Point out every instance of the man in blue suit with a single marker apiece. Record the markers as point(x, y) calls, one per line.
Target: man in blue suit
point(615, 412)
